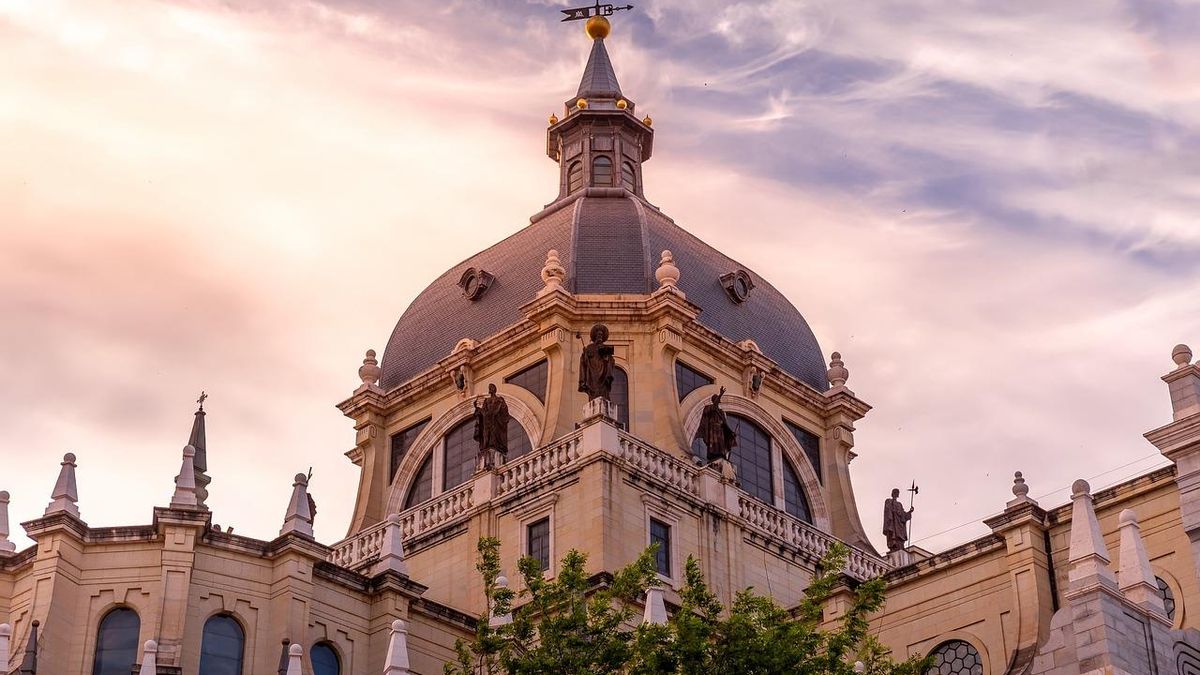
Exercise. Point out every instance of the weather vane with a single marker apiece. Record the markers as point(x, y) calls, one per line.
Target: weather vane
point(599, 9)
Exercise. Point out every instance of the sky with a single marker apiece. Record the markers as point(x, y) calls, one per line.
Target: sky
point(990, 209)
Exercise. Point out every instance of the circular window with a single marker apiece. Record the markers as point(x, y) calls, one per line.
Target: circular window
point(956, 657)
point(1168, 597)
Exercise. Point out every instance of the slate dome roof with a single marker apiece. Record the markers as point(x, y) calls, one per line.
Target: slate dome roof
point(608, 244)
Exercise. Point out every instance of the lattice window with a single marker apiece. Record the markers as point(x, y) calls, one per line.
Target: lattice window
point(795, 501)
point(532, 379)
point(538, 542)
point(752, 457)
point(620, 396)
point(811, 444)
point(422, 485)
point(1168, 597)
point(574, 176)
point(628, 176)
point(461, 449)
point(660, 533)
point(602, 171)
point(688, 379)
point(956, 657)
point(401, 442)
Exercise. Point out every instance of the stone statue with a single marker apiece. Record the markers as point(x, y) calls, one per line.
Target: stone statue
point(719, 439)
point(895, 521)
point(491, 426)
point(596, 365)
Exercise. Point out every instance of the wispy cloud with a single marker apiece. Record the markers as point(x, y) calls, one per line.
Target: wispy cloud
point(990, 209)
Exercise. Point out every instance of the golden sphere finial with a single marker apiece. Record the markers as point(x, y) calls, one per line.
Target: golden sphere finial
point(647, 121)
point(622, 104)
point(597, 27)
point(553, 119)
point(581, 103)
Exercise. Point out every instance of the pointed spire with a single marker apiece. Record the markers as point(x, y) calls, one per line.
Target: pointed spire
point(1137, 579)
point(599, 80)
point(149, 659)
point(200, 462)
point(65, 497)
point(29, 663)
point(391, 552)
point(295, 655)
point(656, 608)
point(299, 516)
point(1088, 557)
point(185, 482)
point(397, 653)
point(5, 643)
point(6, 546)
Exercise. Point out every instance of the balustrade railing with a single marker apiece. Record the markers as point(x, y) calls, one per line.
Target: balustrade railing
point(360, 549)
point(791, 530)
point(651, 461)
point(539, 464)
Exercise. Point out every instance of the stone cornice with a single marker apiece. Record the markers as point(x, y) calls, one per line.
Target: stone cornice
point(1021, 514)
point(1116, 493)
point(1177, 436)
point(956, 556)
point(56, 522)
point(10, 562)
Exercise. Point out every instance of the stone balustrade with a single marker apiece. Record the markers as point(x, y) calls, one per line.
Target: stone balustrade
point(648, 462)
point(791, 530)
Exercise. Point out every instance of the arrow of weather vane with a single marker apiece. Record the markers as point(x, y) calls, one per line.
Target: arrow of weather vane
point(596, 10)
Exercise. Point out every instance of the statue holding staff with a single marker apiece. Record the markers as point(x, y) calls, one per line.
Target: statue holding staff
point(596, 365)
point(718, 437)
point(491, 426)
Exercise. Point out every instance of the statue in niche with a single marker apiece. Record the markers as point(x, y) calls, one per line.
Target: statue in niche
point(491, 427)
point(596, 365)
point(895, 521)
point(718, 437)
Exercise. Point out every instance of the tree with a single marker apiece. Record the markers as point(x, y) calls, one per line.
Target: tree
point(572, 625)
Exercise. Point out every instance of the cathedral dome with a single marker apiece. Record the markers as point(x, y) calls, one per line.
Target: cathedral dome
point(608, 244)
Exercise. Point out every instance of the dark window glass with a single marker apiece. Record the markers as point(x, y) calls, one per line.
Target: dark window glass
point(117, 643)
point(628, 176)
point(461, 449)
point(660, 533)
point(688, 379)
point(422, 486)
point(518, 440)
point(955, 658)
point(221, 648)
point(811, 444)
point(602, 171)
point(532, 379)
point(1168, 597)
point(752, 458)
point(538, 542)
point(402, 441)
point(794, 500)
point(325, 660)
point(620, 396)
point(574, 176)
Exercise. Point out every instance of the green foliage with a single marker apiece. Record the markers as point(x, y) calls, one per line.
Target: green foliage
point(569, 626)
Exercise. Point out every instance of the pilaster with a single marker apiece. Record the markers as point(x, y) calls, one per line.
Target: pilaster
point(1023, 526)
point(180, 530)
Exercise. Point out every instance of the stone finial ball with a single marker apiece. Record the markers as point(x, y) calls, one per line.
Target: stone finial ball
point(4, 496)
point(5, 629)
point(1127, 517)
point(302, 479)
point(296, 650)
point(597, 28)
point(370, 353)
point(394, 518)
point(837, 356)
point(69, 458)
point(1181, 354)
point(151, 646)
point(398, 626)
point(1080, 487)
point(502, 581)
point(189, 451)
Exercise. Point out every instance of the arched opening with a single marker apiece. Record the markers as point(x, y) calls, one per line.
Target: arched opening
point(602, 171)
point(574, 177)
point(628, 176)
point(117, 642)
point(325, 659)
point(222, 647)
point(795, 501)
point(460, 451)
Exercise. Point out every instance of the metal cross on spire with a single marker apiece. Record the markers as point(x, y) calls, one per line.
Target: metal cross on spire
point(599, 9)
point(202, 399)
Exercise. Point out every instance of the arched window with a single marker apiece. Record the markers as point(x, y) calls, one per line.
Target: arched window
point(574, 177)
point(795, 501)
point(325, 660)
point(462, 450)
point(602, 171)
point(117, 642)
point(620, 396)
point(752, 458)
point(688, 379)
point(518, 441)
point(628, 176)
point(1168, 598)
point(222, 646)
point(955, 657)
point(422, 485)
